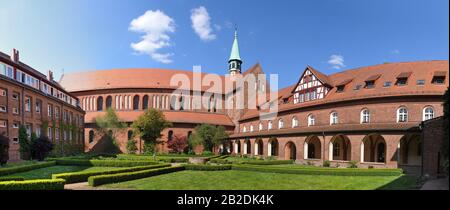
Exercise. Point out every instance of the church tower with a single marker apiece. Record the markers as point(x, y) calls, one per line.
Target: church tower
point(235, 62)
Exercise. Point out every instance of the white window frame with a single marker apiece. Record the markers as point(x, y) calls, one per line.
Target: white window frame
point(365, 116)
point(269, 125)
point(260, 126)
point(3, 108)
point(426, 115)
point(311, 120)
point(27, 104)
point(402, 116)
point(280, 124)
point(334, 118)
point(3, 124)
point(294, 122)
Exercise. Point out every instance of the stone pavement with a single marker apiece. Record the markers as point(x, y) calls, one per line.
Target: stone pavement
point(436, 184)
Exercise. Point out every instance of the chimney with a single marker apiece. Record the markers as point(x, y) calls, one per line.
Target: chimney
point(50, 75)
point(15, 55)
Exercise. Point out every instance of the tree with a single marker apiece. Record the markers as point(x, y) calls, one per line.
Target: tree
point(109, 125)
point(41, 148)
point(131, 146)
point(24, 143)
point(4, 149)
point(178, 144)
point(208, 136)
point(148, 127)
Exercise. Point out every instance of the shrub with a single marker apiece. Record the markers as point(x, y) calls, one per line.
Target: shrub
point(37, 184)
point(218, 161)
point(122, 177)
point(326, 163)
point(178, 144)
point(207, 153)
point(2, 179)
point(83, 176)
point(41, 148)
point(322, 171)
point(196, 167)
point(131, 146)
point(174, 159)
point(191, 152)
point(107, 163)
point(353, 164)
point(18, 169)
point(4, 149)
point(267, 162)
point(24, 143)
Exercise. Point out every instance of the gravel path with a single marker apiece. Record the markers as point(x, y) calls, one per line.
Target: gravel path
point(85, 186)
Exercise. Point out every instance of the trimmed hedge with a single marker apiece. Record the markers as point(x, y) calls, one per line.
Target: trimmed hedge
point(83, 176)
point(122, 177)
point(207, 167)
point(173, 159)
point(37, 184)
point(267, 162)
point(2, 179)
point(105, 163)
point(24, 168)
point(323, 171)
point(219, 161)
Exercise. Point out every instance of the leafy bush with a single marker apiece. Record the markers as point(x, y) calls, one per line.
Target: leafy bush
point(18, 169)
point(353, 164)
point(122, 177)
point(322, 171)
point(191, 152)
point(174, 159)
point(24, 143)
point(326, 163)
point(196, 167)
point(131, 146)
point(11, 179)
point(37, 184)
point(41, 148)
point(4, 150)
point(178, 144)
point(267, 162)
point(83, 176)
point(107, 163)
point(207, 153)
point(218, 161)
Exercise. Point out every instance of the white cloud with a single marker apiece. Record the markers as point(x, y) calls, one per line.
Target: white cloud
point(228, 24)
point(201, 24)
point(337, 61)
point(395, 51)
point(156, 26)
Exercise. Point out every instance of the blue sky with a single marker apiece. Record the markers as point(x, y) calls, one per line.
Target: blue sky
point(284, 36)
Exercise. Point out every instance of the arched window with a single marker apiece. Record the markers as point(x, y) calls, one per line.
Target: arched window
point(402, 114)
point(244, 129)
point(280, 123)
point(130, 134)
point(181, 103)
point(269, 125)
point(170, 135)
point(294, 122)
point(91, 136)
point(251, 128)
point(333, 118)
point(365, 116)
point(428, 113)
point(173, 100)
point(260, 126)
point(136, 102)
point(311, 120)
point(108, 102)
point(145, 102)
point(99, 103)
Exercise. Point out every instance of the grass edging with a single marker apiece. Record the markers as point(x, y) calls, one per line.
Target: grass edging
point(37, 184)
point(18, 169)
point(75, 177)
point(122, 177)
point(105, 163)
point(322, 171)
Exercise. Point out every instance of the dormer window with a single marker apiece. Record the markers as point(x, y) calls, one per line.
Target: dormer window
point(439, 77)
point(402, 78)
point(420, 82)
point(357, 87)
point(340, 88)
point(387, 84)
point(370, 82)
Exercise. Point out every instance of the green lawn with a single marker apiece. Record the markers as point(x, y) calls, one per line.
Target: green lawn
point(21, 163)
point(246, 180)
point(46, 173)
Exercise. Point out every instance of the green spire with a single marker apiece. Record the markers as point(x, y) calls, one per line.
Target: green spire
point(235, 50)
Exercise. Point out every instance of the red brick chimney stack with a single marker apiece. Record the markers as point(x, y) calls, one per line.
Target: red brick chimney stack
point(50, 75)
point(15, 55)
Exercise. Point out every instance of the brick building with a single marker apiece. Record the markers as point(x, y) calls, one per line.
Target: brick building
point(36, 101)
point(368, 115)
